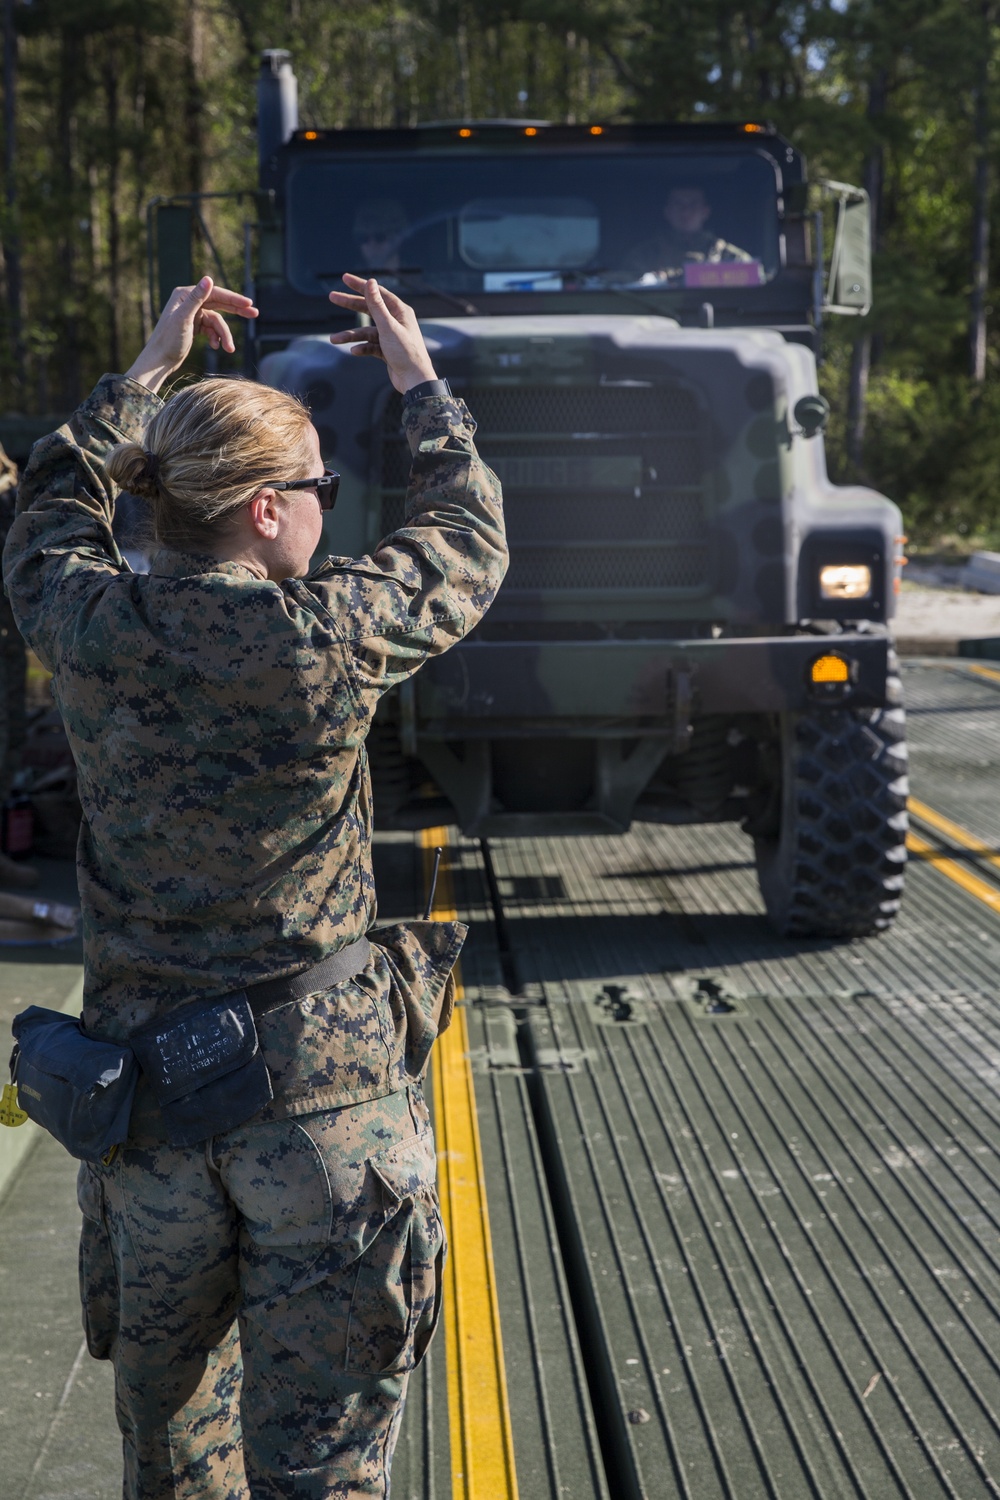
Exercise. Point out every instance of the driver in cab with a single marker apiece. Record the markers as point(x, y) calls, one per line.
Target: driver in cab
point(380, 227)
point(684, 238)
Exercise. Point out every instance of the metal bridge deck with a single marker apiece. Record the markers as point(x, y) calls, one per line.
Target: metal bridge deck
point(738, 1231)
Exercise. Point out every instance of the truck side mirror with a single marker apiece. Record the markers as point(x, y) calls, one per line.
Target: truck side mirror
point(174, 263)
point(849, 284)
point(811, 412)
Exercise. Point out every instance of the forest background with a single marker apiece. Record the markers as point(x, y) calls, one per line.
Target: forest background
point(108, 102)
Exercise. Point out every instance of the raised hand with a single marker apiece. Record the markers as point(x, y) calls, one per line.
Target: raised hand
point(394, 334)
point(189, 310)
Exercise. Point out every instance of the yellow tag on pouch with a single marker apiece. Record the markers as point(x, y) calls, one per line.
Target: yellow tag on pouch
point(11, 1112)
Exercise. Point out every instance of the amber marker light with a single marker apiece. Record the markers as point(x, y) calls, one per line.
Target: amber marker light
point(830, 668)
point(530, 130)
point(597, 129)
point(849, 581)
point(465, 132)
point(753, 129)
point(310, 135)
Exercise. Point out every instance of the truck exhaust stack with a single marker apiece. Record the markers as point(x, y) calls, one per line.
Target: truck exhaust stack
point(277, 107)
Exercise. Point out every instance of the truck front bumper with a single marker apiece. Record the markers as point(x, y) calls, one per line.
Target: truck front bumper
point(494, 689)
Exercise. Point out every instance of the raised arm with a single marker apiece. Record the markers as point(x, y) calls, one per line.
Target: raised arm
point(430, 582)
point(60, 547)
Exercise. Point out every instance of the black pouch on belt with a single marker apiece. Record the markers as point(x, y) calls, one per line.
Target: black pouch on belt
point(78, 1087)
point(205, 1067)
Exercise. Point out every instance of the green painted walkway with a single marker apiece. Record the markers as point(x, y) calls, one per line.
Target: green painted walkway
point(58, 1438)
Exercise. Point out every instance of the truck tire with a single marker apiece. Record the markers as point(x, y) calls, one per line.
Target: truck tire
point(835, 867)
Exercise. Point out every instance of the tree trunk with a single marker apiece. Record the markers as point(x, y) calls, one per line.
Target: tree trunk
point(464, 70)
point(857, 396)
point(69, 331)
point(12, 237)
point(144, 308)
point(725, 54)
point(861, 355)
point(981, 203)
point(114, 223)
point(194, 100)
point(569, 61)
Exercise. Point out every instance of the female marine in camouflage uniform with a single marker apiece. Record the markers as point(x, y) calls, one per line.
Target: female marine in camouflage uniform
point(264, 1293)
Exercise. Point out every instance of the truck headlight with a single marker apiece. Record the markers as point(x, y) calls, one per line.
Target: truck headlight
point(845, 581)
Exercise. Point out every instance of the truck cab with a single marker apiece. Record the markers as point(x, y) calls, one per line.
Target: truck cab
point(703, 225)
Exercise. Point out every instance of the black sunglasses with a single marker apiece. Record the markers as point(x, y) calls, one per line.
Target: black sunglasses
point(325, 487)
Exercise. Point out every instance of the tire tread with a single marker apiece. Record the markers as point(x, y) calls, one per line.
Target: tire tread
point(844, 860)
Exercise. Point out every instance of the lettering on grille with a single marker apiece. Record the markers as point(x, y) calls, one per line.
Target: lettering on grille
point(536, 472)
point(604, 486)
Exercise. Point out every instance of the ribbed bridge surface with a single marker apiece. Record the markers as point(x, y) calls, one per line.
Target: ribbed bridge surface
point(790, 1215)
point(771, 1166)
point(743, 1195)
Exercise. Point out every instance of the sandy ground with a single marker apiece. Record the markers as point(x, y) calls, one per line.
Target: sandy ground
point(945, 614)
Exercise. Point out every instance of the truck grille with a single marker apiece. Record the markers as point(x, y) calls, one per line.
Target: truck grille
point(604, 486)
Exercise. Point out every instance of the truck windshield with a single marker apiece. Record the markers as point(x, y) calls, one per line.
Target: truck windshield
point(555, 222)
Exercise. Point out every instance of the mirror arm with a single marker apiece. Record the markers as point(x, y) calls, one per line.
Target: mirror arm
point(819, 297)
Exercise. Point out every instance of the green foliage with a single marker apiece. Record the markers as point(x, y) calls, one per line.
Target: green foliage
point(119, 100)
point(935, 447)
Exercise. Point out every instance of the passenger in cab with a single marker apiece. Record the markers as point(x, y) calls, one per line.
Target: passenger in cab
point(262, 1248)
point(685, 237)
point(380, 226)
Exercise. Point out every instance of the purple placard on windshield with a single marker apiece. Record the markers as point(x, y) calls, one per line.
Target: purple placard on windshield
point(716, 273)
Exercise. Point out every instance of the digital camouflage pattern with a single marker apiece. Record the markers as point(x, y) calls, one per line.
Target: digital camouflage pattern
point(264, 1299)
point(218, 719)
point(264, 1295)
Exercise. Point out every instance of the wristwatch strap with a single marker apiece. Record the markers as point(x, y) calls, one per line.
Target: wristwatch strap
point(424, 389)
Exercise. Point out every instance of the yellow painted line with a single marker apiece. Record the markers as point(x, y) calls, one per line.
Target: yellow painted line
point(990, 672)
point(988, 894)
point(960, 665)
point(482, 1440)
point(954, 831)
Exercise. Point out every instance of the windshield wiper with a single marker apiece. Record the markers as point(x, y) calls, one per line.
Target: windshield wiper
point(422, 289)
point(427, 290)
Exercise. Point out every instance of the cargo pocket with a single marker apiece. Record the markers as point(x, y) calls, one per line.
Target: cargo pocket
point(98, 1273)
point(397, 1288)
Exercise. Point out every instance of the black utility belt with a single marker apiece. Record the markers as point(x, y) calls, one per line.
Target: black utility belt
point(202, 1061)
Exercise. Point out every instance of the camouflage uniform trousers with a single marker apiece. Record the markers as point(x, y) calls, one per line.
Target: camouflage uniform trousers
point(264, 1297)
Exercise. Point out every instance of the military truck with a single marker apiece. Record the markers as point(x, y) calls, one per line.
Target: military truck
point(694, 627)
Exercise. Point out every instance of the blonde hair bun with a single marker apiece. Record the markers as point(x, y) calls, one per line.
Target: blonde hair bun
point(130, 467)
point(208, 451)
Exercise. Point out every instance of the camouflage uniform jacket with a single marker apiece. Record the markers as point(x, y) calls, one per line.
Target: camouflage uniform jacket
point(218, 723)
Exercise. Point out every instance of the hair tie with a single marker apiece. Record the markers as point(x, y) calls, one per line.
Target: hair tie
point(152, 467)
